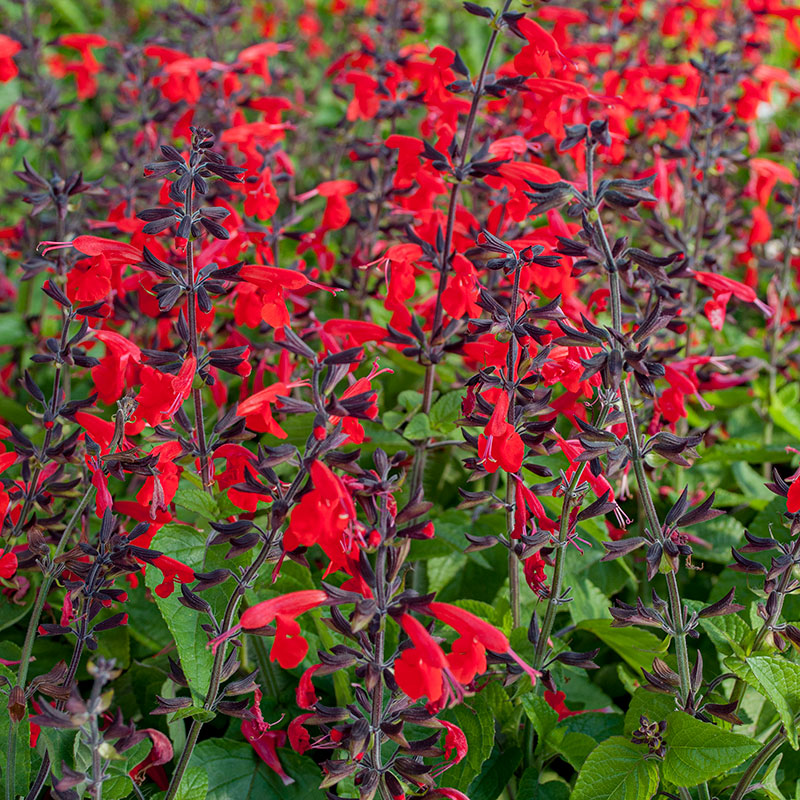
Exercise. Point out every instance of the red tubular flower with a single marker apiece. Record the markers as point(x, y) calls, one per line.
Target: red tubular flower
point(324, 516)
point(477, 636)
point(172, 570)
point(289, 647)
point(8, 564)
point(500, 446)
point(533, 569)
point(266, 744)
point(351, 426)
point(160, 753)
point(8, 48)
point(305, 694)
point(724, 288)
point(793, 499)
point(299, 738)
point(454, 740)
point(419, 671)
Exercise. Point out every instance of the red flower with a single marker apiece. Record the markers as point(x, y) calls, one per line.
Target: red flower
point(793, 499)
point(8, 564)
point(289, 647)
point(500, 445)
point(324, 516)
point(8, 48)
point(171, 570)
point(419, 670)
point(305, 694)
point(265, 743)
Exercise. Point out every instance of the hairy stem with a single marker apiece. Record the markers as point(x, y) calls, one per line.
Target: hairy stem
point(758, 761)
point(637, 460)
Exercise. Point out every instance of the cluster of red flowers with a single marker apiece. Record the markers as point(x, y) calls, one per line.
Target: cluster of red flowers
point(434, 254)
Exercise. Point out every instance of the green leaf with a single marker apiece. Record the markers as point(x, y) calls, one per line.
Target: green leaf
point(698, 751)
point(588, 602)
point(478, 727)
point(200, 714)
point(193, 785)
point(541, 715)
point(235, 771)
point(197, 501)
point(410, 399)
point(23, 757)
point(780, 682)
point(617, 770)
point(496, 774)
point(447, 409)
point(530, 788)
point(769, 782)
point(637, 647)
point(419, 427)
point(652, 705)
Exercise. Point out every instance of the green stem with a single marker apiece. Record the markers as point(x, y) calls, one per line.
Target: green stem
point(30, 638)
point(760, 759)
point(637, 460)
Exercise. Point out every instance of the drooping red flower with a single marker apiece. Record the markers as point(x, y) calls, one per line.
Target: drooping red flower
point(266, 744)
point(500, 446)
point(419, 670)
point(172, 570)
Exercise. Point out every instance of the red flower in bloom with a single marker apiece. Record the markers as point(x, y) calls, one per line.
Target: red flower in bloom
point(454, 740)
point(556, 701)
point(160, 753)
point(274, 282)
point(8, 564)
point(500, 445)
point(419, 670)
point(8, 48)
point(793, 499)
point(162, 394)
point(535, 57)
point(408, 163)
point(299, 737)
point(724, 288)
point(477, 636)
point(289, 647)
point(86, 68)
point(324, 516)
point(171, 570)
point(533, 569)
point(266, 744)
point(305, 694)
point(337, 212)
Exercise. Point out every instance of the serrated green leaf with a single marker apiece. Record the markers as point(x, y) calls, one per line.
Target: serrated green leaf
point(541, 715)
point(780, 682)
point(479, 730)
point(617, 770)
point(447, 409)
point(193, 785)
point(197, 501)
point(410, 399)
point(419, 427)
point(698, 751)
